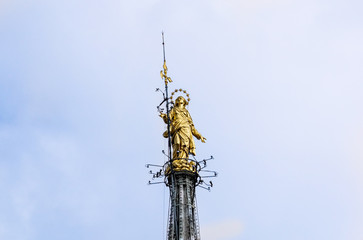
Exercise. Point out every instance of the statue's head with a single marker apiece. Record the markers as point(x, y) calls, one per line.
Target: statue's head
point(180, 102)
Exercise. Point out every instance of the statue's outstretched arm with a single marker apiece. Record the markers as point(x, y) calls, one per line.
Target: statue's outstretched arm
point(164, 117)
point(197, 134)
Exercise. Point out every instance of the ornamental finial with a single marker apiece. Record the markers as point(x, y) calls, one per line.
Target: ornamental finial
point(164, 75)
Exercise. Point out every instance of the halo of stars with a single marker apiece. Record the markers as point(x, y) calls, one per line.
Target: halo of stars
point(181, 91)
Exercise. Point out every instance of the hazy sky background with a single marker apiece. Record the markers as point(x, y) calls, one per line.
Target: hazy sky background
point(276, 88)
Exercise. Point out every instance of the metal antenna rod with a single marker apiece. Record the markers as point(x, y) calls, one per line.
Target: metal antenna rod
point(172, 192)
point(162, 33)
point(167, 102)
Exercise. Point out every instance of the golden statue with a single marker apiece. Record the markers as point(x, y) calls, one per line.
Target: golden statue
point(182, 131)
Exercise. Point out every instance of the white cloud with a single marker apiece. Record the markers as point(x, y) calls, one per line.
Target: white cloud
point(224, 230)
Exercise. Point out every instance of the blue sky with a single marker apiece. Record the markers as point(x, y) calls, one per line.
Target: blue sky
point(276, 88)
